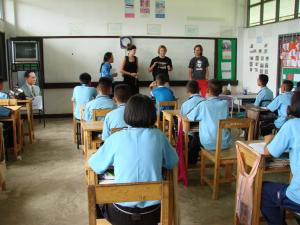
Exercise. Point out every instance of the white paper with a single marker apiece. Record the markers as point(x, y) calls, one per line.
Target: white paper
point(258, 147)
point(226, 66)
point(296, 77)
point(37, 103)
point(226, 75)
point(153, 29)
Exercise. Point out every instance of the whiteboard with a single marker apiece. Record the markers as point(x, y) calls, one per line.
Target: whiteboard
point(66, 58)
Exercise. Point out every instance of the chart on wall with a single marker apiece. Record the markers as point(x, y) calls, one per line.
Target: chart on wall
point(259, 57)
point(289, 56)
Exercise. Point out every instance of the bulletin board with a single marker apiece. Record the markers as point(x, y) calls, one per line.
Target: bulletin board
point(288, 58)
point(226, 59)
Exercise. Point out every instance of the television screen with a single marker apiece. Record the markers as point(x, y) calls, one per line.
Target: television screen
point(25, 51)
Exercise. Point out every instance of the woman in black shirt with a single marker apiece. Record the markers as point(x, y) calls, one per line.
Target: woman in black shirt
point(129, 69)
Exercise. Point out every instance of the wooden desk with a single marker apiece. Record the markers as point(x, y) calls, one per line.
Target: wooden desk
point(249, 156)
point(16, 126)
point(27, 106)
point(88, 128)
point(168, 118)
point(254, 112)
point(241, 97)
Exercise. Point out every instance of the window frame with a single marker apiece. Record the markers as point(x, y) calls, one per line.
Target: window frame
point(2, 10)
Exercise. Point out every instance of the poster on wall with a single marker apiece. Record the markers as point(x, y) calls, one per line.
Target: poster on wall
point(226, 49)
point(160, 6)
point(289, 56)
point(129, 8)
point(145, 8)
point(258, 57)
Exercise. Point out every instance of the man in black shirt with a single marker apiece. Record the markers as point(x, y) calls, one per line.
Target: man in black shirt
point(198, 67)
point(161, 64)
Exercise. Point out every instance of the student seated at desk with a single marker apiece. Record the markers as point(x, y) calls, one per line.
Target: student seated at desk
point(265, 95)
point(3, 95)
point(280, 104)
point(115, 119)
point(160, 92)
point(83, 94)
point(277, 196)
point(138, 155)
point(193, 100)
point(102, 101)
point(208, 113)
point(30, 89)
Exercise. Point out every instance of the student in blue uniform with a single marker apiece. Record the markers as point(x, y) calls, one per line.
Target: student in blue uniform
point(83, 94)
point(160, 92)
point(138, 155)
point(278, 196)
point(194, 98)
point(3, 95)
point(102, 101)
point(265, 95)
point(208, 113)
point(115, 119)
point(105, 68)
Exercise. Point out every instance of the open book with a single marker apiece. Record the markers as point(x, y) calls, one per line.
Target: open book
point(258, 147)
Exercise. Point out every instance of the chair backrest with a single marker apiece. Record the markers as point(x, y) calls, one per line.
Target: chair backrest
point(229, 100)
point(10, 102)
point(254, 113)
point(100, 113)
point(169, 104)
point(233, 123)
point(129, 192)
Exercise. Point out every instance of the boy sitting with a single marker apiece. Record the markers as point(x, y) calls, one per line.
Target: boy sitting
point(265, 95)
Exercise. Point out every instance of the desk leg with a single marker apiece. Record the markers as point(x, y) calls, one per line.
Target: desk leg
point(257, 197)
point(14, 124)
point(170, 127)
point(164, 125)
point(85, 147)
point(30, 122)
point(19, 129)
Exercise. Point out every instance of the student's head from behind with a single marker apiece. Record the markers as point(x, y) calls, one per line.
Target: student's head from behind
point(85, 78)
point(122, 93)
point(140, 112)
point(162, 50)
point(30, 77)
point(131, 49)
point(198, 50)
point(1, 84)
point(108, 57)
point(214, 87)
point(192, 87)
point(262, 80)
point(160, 80)
point(287, 86)
point(104, 86)
point(294, 109)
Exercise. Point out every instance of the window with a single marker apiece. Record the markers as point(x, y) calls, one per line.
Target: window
point(269, 11)
point(1, 10)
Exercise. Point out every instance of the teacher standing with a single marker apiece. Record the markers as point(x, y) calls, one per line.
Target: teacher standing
point(129, 69)
point(198, 69)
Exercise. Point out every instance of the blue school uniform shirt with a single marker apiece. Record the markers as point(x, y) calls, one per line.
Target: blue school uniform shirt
point(138, 155)
point(100, 102)
point(105, 71)
point(114, 119)
point(3, 95)
point(264, 97)
point(162, 94)
point(208, 113)
point(288, 139)
point(281, 103)
point(189, 104)
point(81, 95)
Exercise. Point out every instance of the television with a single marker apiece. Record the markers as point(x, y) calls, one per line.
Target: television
point(25, 51)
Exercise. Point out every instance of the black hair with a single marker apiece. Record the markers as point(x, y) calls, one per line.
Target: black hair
point(192, 87)
point(140, 112)
point(294, 109)
point(201, 48)
point(215, 87)
point(85, 78)
point(105, 85)
point(288, 84)
point(26, 74)
point(160, 78)
point(264, 79)
point(106, 58)
point(122, 92)
point(130, 47)
point(163, 47)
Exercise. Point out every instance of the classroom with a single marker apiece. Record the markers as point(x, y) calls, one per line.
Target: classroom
point(147, 112)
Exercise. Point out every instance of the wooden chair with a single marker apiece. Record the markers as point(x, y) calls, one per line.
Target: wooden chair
point(254, 113)
point(8, 102)
point(169, 104)
point(129, 192)
point(96, 114)
point(2, 161)
point(221, 157)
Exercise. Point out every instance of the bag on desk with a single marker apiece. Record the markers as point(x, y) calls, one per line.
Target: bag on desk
point(4, 112)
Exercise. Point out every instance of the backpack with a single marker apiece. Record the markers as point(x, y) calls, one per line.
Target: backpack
point(4, 112)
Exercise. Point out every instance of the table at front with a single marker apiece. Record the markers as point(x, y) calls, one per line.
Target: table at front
point(15, 119)
point(27, 104)
point(249, 157)
point(88, 128)
point(241, 97)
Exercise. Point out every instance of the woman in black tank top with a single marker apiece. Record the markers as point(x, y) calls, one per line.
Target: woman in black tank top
point(129, 69)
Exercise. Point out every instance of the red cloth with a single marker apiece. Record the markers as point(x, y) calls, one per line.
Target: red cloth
point(179, 149)
point(203, 86)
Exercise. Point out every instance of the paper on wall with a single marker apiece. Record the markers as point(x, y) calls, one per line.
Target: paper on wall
point(296, 77)
point(226, 75)
point(226, 66)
